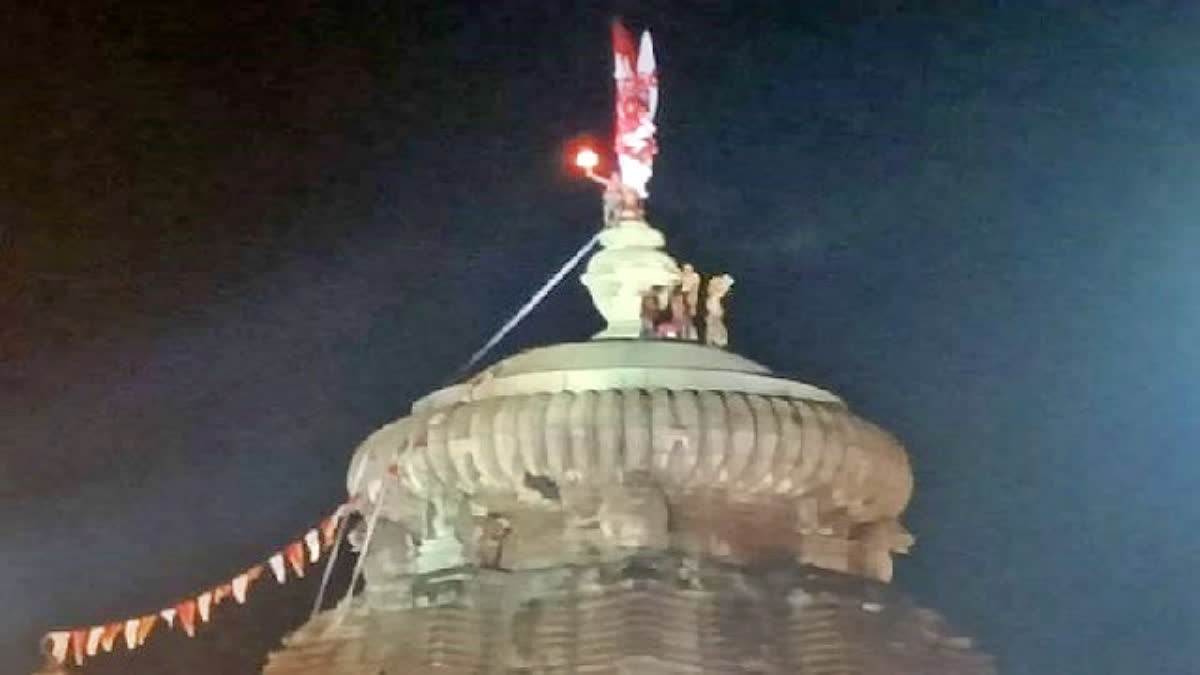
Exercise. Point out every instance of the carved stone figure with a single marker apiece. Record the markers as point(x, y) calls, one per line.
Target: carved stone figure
point(689, 286)
point(650, 313)
point(673, 324)
point(715, 332)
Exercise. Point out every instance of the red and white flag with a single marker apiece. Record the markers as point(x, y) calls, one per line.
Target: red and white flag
point(204, 605)
point(79, 638)
point(276, 562)
point(93, 639)
point(55, 645)
point(240, 583)
point(187, 616)
point(295, 557)
point(131, 632)
point(312, 541)
point(329, 529)
point(145, 625)
point(636, 76)
point(111, 631)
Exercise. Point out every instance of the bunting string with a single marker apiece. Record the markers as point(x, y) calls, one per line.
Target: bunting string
point(79, 644)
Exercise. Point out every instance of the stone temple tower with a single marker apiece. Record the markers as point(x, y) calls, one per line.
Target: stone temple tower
point(629, 504)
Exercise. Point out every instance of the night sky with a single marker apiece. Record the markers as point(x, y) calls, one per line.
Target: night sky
point(235, 240)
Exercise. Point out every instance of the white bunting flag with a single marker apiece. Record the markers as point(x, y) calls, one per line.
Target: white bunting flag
point(56, 644)
point(312, 540)
point(240, 583)
point(131, 633)
point(93, 640)
point(204, 605)
point(276, 562)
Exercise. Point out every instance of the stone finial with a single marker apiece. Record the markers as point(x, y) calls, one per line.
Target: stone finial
point(630, 265)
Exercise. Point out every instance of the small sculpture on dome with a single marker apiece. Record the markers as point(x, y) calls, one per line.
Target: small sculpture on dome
point(689, 286)
point(715, 332)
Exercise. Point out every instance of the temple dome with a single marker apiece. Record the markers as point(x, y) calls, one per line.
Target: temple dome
point(703, 425)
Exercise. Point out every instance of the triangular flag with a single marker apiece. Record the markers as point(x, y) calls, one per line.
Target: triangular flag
point(276, 562)
point(204, 604)
point(187, 616)
point(131, 627)
point(168, 615)
point(295, 557)
point(312, 540)
point(145, 625)
point(329, 528)
point(111, 631)
point(79, 638)
point(221, 592)
point(240, 583)
point(55, 645)
point(254, 573)
point(93, 640)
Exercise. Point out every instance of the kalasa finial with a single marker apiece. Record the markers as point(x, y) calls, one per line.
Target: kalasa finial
point(637, 287)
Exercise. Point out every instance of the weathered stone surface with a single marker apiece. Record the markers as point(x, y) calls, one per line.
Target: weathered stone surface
point(644, 613)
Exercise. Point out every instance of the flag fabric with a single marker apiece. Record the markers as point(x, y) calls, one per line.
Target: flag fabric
point(55, 645)
point(131, 630)
point(79, 644)
point(636, 76)
point(239, 585)
point(187, 616)
point(111, 632)
point(329, 529)
point(312, 541)
point(145, 625)
point(204, 605)
point(93, 639)
point(276, 562)
point(221, 592)
point(295, 557)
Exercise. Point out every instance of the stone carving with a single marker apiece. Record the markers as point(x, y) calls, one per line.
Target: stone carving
point(877, 542)
point(634, 514)
point(689, 287)
point(715, 332)
point(390, 553)
point(490, 533)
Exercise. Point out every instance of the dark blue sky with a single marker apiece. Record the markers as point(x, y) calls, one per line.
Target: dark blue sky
point(237, 240)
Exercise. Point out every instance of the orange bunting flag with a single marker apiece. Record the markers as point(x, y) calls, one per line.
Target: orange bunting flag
point(111, 631)
point(204, 604)
point(239, 585)
point(145, 625)
point(329, 528)
point(187, 616)
point(254, 573)
point(78, 644)
point(295, 557)
point(168, 615)
point(276, 562)
point(312, 541)
point(55, 645)
point(93, 639)
point(131, 627)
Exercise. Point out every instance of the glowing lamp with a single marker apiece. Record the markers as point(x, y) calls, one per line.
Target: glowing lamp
point(587, 159)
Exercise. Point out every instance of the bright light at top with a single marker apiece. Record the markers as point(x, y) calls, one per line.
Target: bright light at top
point(587, 159)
